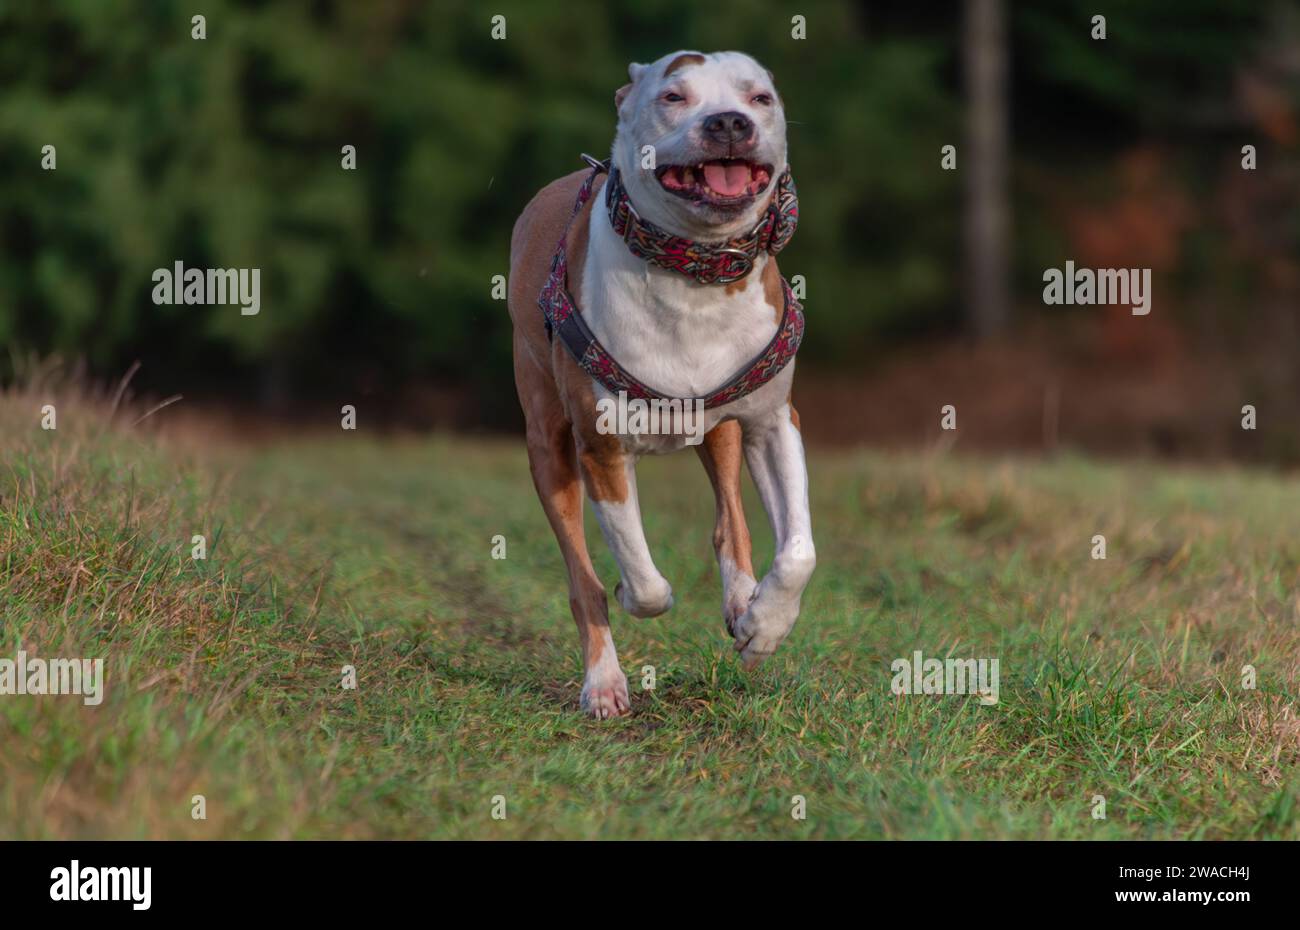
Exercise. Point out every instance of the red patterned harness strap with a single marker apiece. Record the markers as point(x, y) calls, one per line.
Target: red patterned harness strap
point(708, 264)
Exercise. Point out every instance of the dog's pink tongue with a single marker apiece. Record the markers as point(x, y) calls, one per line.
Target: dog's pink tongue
point(727, 179)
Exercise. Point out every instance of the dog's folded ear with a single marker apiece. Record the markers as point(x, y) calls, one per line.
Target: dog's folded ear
point(634, 71)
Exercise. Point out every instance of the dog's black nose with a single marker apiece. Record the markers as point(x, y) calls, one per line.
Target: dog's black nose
point(729, 127)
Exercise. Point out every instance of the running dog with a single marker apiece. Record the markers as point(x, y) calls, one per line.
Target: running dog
point(651, 277)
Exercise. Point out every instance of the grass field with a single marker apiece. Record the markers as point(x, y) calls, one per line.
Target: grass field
point(1120, 678)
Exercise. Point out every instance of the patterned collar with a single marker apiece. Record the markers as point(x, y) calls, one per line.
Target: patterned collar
point(707, 264)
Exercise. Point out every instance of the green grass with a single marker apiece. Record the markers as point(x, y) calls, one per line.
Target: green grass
point(1119, 678)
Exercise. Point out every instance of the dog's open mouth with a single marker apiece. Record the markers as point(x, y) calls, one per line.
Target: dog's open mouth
point(721, 182)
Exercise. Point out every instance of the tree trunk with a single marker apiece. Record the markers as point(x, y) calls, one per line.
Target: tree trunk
point(987, 216)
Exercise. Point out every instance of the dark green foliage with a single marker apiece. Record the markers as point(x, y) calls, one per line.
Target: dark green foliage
point(226, 153)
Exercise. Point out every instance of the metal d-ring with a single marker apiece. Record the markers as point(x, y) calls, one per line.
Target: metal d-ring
point(747, 267)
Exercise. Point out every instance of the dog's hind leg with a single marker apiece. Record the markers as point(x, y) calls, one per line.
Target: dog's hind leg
point(721, 453)
point(552, 458)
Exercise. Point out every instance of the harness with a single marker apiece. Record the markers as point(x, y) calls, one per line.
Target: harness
point(707, 264)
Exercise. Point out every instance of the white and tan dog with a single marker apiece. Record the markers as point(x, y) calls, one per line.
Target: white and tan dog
point(716, 128)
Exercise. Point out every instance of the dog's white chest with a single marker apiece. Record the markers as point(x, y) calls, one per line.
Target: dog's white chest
point(679, 337)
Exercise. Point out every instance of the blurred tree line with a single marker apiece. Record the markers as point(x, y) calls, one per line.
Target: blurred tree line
point(226, 152)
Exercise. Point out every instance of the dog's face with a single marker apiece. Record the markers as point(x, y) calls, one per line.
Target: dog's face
point(716, 128)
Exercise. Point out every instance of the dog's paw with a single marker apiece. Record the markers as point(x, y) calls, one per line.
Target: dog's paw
point(764, 625)
point(604, 695)
point(755, 648)
point(656, 598)
point(736, 598)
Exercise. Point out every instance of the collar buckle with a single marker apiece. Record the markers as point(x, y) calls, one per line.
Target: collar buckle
point(746, 265)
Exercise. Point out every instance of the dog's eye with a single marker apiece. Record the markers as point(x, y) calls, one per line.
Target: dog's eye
point(672, 97)
point(763, 100)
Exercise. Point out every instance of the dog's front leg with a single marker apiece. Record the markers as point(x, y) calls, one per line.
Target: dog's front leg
point(774, 452)
point(609, 475)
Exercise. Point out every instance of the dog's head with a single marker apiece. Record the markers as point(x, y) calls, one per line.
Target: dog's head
point(715, 131)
